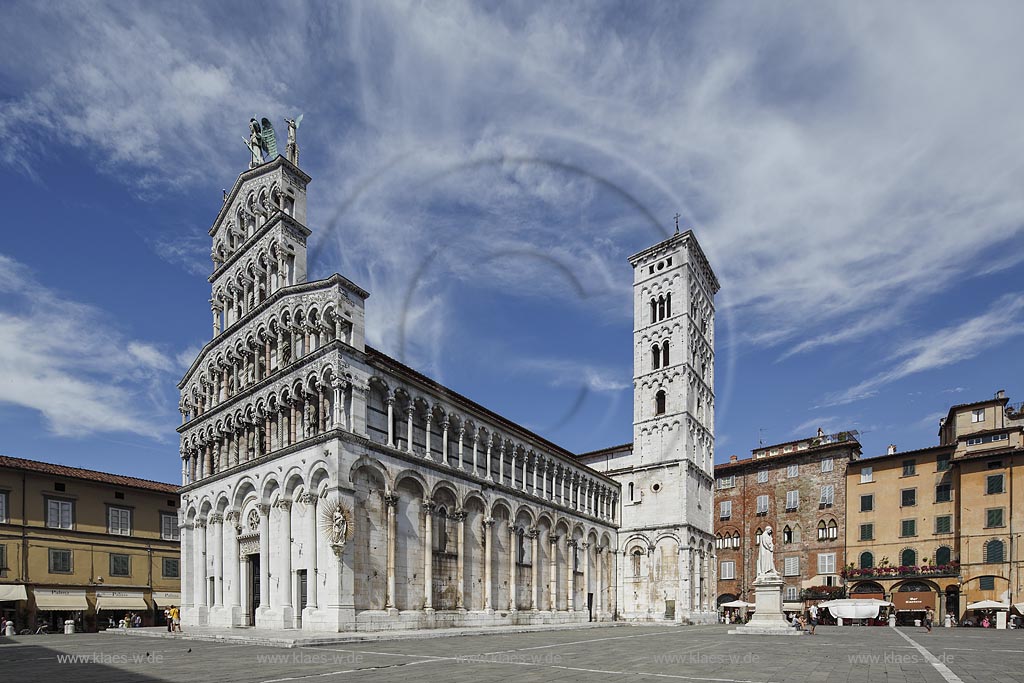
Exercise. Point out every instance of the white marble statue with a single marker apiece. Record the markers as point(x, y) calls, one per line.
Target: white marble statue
point(766, 554)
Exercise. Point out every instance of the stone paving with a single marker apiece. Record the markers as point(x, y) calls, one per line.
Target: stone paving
point(637, 653)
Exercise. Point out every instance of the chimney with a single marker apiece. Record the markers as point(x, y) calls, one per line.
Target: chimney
point(891, 449)
point(733, 458)
point(1001, 393)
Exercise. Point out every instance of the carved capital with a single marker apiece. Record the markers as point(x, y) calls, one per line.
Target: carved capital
point(264, 509)
point(391, 499)
point(571, 543)
point(429, 508)
point(532, 532)
point(215, 518)
point(584, 545)
point(458, 516)
point(283, 504)
point(554, 539)
point(307, 498)
point(488, 521)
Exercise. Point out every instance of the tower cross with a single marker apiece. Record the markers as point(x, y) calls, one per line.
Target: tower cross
point(677, 222)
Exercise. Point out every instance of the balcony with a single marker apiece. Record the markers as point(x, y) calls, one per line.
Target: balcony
point(902, 572)
point(823, 593)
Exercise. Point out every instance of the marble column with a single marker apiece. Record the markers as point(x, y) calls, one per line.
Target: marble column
point(391, 421)
point(488, 555)
point(490, 446)
point(513, 550)
point(201, 571)
point(309, 499)
point(460, 560)
point(599, 598)
point(234, 570)
point(264, 555)
point(426, 436)
point(553, 586)
point(286, 552)
point(533, 533)
point(187, 565)
point(570, 575)
point(428, 550)
point(444, 441)
point(391, 501)
point(217, 520)
point(462, 435)
point(586, 572)
point(408, 412)
point(615, 582)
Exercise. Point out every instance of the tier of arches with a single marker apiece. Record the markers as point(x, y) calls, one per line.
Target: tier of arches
point(269, 345)
point(251, 213)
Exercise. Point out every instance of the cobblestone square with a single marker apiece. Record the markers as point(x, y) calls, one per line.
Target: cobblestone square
point(604, 654)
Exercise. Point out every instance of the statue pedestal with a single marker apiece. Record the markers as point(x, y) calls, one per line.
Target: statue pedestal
point(768, 619)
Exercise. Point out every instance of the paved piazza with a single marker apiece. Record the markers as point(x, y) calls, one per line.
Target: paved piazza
point(698, 653)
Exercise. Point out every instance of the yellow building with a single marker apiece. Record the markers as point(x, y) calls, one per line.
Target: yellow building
point(937, 526)
point(85, 545)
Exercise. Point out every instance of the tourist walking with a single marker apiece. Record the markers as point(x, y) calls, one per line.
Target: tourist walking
point(929, 616)
point(814, 618)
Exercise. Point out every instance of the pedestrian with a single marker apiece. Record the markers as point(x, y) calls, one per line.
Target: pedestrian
point(167, 619)
point(985, 622)
point(176, 618)
point(929, 615)
point(814, 618)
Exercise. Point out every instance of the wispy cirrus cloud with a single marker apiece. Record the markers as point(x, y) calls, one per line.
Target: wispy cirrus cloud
point(68, 362)
point(1003, 320)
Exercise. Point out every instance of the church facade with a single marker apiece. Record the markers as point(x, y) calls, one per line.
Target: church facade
point(329, 487)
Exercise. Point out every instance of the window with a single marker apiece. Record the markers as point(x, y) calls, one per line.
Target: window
point(943, 555)
point(3, 506)
point(793, 471)
point(867, 503)
point(659, 403)
point(791, 566)
point(908, 527)
point(60, 561)
point(828, 495)
point(943, 493)
point(757, 536)
point(978, 415)
point(995, 551)
point(736, 540)
point(942, 463)
point(3, 558)
point(988, 438)
point(787, 535)
point(833, 530)
point(908, 558)
point(867, 532)
point(994, 484)
point(822, 531)
point(762, 505)
point(792, 500)
point(171, 568)
point(664, 353)
point(827, 464)
point(867, 560)
point(59, 513)
point(908, 498)
point(119, 521)
point(987, 583)
point(726, 482)
point(728, 570)
point(762, 477)
point(993, 518)
point(636, 561)
point(826, 563)
point(943, 524)
point(792, 593)
point(909, 468)
point(120, 565)
point(866, 475)
point(725, 509)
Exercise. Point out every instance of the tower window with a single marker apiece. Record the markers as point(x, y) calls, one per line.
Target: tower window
point(664, 353)
point(661, 308)
point(659, 403)
point(654, 311)
point(655, 357)
point(668, 305)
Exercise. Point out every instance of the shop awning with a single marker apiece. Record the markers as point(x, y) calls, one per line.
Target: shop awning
point(988, 604)
point(12, 591)
point(855, 608)
point(165, 599)
point(121, 602)
point(737, 603)
point(61, 603)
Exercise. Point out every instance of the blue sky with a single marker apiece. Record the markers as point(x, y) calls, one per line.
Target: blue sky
point(484, 169)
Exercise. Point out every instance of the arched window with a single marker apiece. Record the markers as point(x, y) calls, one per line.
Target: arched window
point(867, 560)
point(637, 554)
point(668, 305)
point(520, 546)
point(718, 541)
point(995, 551)
point(659, 403)
point(908, 558)
point(654, 311)
point(822, 531)
point(943, 555)
point(757, 537)
point(655, 357)
point(833, 530)
point(664, 353)
point(630, 492)
point(787, 534)
point(736, 539)
point(441, 523)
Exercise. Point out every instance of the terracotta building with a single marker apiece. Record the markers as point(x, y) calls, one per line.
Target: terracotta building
point(799, 489)
point(84, 545)
point(936, 526)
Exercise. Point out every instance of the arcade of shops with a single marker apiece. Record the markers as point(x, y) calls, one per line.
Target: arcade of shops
point(92, 609)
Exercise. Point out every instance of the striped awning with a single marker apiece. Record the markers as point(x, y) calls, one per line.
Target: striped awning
point(61, 603)
point(121, 602)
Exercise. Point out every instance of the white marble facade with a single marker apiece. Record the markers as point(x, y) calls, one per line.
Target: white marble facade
point(330, 488)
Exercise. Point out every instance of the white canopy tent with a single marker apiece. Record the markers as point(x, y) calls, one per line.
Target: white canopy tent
point(852, 608)
point(738, 603)
point(988, 604)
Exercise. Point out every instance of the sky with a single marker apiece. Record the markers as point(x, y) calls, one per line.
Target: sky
point(853, 172)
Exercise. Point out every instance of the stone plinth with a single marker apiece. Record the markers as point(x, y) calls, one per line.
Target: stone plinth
point(768, 619)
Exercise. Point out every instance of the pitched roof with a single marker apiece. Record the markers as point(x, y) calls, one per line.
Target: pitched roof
point(79, 473)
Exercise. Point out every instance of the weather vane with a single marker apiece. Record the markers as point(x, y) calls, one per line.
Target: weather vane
point(677, 222)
